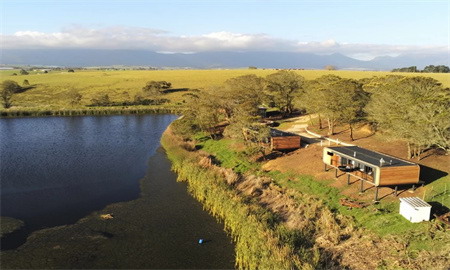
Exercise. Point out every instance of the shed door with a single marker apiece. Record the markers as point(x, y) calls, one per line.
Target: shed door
point(335, 160)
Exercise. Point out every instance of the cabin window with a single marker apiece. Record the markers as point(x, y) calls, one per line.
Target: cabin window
point(344, 161)
point(368, 170)
point(330, 153)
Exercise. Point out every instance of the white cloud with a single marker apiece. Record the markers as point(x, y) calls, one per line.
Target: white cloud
point(120, 37)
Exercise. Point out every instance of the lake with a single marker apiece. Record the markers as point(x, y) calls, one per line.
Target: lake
point(56, 170)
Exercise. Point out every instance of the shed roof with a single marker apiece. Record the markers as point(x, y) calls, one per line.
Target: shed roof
point(279, 133)
point(370, 157)
point(415, 202)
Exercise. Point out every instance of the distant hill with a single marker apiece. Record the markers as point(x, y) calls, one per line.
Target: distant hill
point(203, 60)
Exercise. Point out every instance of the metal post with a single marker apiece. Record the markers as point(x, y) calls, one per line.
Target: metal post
point(414, 188)
point(376, 194)
point(361, 189)
point(325, 166)
point(348, 179)
point(395, 191)
point(335, 173)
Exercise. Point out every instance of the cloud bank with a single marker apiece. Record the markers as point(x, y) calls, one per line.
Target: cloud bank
point(120, 37)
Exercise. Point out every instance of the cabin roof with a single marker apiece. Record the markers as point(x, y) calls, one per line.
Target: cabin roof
point(279, 133)
point(370, 157)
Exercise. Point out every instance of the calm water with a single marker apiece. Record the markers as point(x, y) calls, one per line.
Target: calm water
point(57, 170)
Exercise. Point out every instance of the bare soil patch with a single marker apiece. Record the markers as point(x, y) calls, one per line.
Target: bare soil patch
point(309, 161)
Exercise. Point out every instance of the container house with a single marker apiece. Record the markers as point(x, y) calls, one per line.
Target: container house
point(371, 167)
point(374, 167)
point(282, 140)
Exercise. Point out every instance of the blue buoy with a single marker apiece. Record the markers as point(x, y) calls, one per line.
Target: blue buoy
point(200, 241)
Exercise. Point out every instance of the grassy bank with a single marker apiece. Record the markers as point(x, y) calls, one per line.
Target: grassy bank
point(258, 245)
point(301, 215)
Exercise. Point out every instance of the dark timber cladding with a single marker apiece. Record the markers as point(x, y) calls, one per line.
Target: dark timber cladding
point(281, 140)
point(373, 167)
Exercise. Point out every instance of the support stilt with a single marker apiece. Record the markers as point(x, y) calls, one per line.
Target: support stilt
point(325, 169)
point(335, 173)
point(396, 191)
point(348, 179)
point(361, 189)
point(376, 194)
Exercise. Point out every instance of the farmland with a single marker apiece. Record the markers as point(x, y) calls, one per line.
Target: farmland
point(51, 91)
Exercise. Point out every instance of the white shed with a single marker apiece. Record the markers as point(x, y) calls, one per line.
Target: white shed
point(415, 209)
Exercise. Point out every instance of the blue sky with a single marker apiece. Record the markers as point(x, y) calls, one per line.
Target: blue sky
point(363, 29)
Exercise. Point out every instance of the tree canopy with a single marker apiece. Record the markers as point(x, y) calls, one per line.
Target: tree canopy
point(283, 87)
point(335, 98)
point(414, 109)
point(155, 88)
point(8, 89)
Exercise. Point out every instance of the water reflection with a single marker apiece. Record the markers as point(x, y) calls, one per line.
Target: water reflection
point(56, 170)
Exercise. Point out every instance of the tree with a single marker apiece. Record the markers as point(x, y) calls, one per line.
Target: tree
point(8, 89)
point(23, 72)
point(414, 109)
point(26, 82)
point(406, 69)
point(283, 87)
point(337, 99)
point(71, 70)
point(155, 88)
point(437, 69)
point(244, 93)
point(330, 67)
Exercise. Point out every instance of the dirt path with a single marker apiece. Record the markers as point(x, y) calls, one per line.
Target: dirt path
point(300, 124)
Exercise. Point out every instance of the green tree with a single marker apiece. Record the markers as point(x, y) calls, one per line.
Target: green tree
point(204, 112)
point(155, 88)
point(283, 87)
point(437, 69)
point(338, 100)
point(414, 109)
point(8, 89)
point(406, 69)
point(26, 82)
point(243, 93)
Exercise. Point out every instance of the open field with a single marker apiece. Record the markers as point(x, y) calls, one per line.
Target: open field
point(51, 91)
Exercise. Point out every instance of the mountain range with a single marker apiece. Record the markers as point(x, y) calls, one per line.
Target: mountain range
point(210, 60)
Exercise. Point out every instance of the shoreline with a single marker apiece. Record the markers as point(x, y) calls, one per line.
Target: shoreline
point(87, 112)
point(130, 236)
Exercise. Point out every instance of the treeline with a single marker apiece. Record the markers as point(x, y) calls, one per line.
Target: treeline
point(413, 109)
point(427, 69)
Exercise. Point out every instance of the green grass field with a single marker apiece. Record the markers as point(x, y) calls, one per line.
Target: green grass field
point(51, 90)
